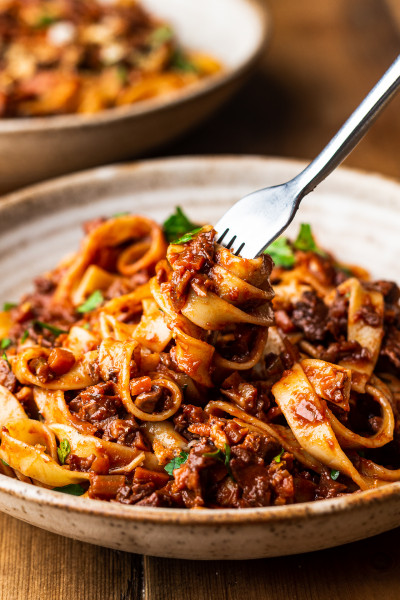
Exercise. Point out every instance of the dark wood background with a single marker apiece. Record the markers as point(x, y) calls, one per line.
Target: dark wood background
point(323, 58)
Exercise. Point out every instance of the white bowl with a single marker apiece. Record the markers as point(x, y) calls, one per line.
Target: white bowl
point(233, 31)
point(355, 214)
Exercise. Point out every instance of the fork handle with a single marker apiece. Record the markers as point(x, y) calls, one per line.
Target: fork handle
point(350, 133)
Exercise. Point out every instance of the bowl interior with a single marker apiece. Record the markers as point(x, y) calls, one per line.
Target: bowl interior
point(230, 30)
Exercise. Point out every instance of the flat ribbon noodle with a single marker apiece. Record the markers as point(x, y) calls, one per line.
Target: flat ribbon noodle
point(308, 420)
point(110, 234)
point(10, 408)
point(80, 376)
point(52, 406)
point(330, 382)
point(117, 356)
point(278, 432)
point(193, 355)
point(349, 439)
point(359, 331)
point(123, 459)
point(166, 442)
point(33, 460)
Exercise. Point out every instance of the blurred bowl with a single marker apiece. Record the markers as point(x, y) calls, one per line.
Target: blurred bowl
point(233, 31)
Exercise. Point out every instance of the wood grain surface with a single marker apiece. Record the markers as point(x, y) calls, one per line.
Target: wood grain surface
point(323, 58)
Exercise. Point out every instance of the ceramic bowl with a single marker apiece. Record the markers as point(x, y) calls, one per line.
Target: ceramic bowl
point(233, 31)
point(356, 215)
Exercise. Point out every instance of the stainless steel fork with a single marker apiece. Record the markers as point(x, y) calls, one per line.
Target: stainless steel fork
point(259, 218)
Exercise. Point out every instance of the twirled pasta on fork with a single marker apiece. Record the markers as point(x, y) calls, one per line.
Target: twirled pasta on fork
point(181, 375)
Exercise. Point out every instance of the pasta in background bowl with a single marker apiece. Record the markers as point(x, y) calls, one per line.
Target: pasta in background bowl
point(205, 188)
point(75, 95)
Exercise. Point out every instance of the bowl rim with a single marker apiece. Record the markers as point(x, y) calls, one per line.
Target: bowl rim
point(153, 105)
point(207, 516)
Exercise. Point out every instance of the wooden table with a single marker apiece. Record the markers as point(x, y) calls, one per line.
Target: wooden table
point(324, 56)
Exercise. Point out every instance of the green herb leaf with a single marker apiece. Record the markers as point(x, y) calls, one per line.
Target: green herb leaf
point(63, 451)
point(348, 272)
point(224, 457)
point(334, 474)
point(181, 62)
point(120, 214)
point(281, 253)
point(161, 35)
point(188, 236)
point(227, 455)
point(5, 343)
point(177, 224)
point(73, 488)
point(305, 240)
point(52, 328)
point(25, 336)
point(176, 462)
point(4, 357)
point(278, 457)
point(123, 75)
point(9, 305)
point(218, 455)
point(45, 21)
point(4, 462)
point(93, 302)
point(86, 326)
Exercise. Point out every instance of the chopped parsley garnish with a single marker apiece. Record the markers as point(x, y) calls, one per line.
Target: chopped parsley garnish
point(348, 272)
point(5, 343)
point(86, 326)
point(123, 74)
point(25, 336)
point(45, 21)
point(334, 474)
point(281, 252)
point(4, 357)
point(224, 457)
point(181, 62)
point(52, 328)
point(305, 240)
point(218, 454)
point(73, 488)
point(120, 214)
point(8, 306)
point(161, 35)
point(188, 236)
point(93, 302)
point(4, 462)
point(176, 462)
point(177, 224)
point(63, 451)
point(227, 455)
point(278, 457)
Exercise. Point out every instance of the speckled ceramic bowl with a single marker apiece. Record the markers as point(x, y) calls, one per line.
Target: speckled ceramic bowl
point(355, 214)
point(233, 31)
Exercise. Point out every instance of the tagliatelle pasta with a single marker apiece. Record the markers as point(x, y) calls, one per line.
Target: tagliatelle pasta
point(181, 375)
point(64, 56)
